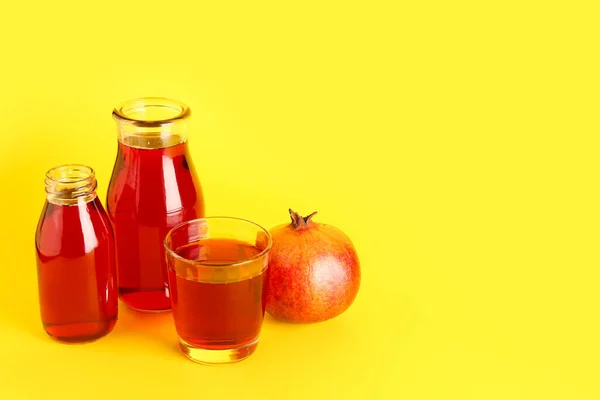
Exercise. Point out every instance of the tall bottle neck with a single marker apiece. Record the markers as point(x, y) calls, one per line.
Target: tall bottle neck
point(70, 184)
point(152, 122)
point(151, 140)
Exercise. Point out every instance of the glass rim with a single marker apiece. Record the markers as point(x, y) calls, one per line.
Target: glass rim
point(211, 264)
point(120, 112)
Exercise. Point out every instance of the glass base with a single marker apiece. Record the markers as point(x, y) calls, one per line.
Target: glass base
point(215, 357)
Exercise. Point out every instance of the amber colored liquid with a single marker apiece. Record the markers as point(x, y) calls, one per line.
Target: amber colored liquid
point(217, 316)
point(76, 271)
point(151, 190)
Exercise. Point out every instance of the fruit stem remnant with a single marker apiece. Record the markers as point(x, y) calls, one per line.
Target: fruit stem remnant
point(300, 222)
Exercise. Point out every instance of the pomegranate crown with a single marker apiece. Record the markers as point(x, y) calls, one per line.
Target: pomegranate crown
point(300, 222)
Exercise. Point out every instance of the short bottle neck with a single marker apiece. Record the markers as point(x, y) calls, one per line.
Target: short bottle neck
point(70, 184)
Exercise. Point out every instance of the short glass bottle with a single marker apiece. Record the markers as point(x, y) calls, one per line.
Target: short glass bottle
point(76, 262)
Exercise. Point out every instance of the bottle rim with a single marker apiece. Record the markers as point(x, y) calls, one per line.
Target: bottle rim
point(136, 112)
point(67, 182)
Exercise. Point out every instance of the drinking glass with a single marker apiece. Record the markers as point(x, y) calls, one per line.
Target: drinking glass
point(218, 275)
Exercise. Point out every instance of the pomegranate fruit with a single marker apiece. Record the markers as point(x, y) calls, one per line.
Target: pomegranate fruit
point(314, 271)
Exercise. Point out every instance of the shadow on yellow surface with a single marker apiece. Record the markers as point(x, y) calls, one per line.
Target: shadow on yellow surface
point(156, 328)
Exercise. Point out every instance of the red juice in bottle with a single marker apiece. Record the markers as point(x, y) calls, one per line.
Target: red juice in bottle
point(75, 258)
point(153, 187)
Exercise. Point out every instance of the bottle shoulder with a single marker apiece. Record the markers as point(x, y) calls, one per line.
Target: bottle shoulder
point(73, 230)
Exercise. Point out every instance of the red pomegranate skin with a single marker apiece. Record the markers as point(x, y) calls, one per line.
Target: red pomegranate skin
point(314, 271)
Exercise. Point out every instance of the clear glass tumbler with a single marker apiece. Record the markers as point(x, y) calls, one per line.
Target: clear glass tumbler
point(218, 275)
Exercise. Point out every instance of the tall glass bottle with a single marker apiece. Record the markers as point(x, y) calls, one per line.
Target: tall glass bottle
point(154, 187)
point(75, 252)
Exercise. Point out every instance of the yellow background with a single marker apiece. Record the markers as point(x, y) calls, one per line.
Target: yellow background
point(455, 142)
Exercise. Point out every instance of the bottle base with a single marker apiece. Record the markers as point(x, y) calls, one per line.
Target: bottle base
point(145, 311)
point(80, 333)
point(216, 357)
point(147, 301)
